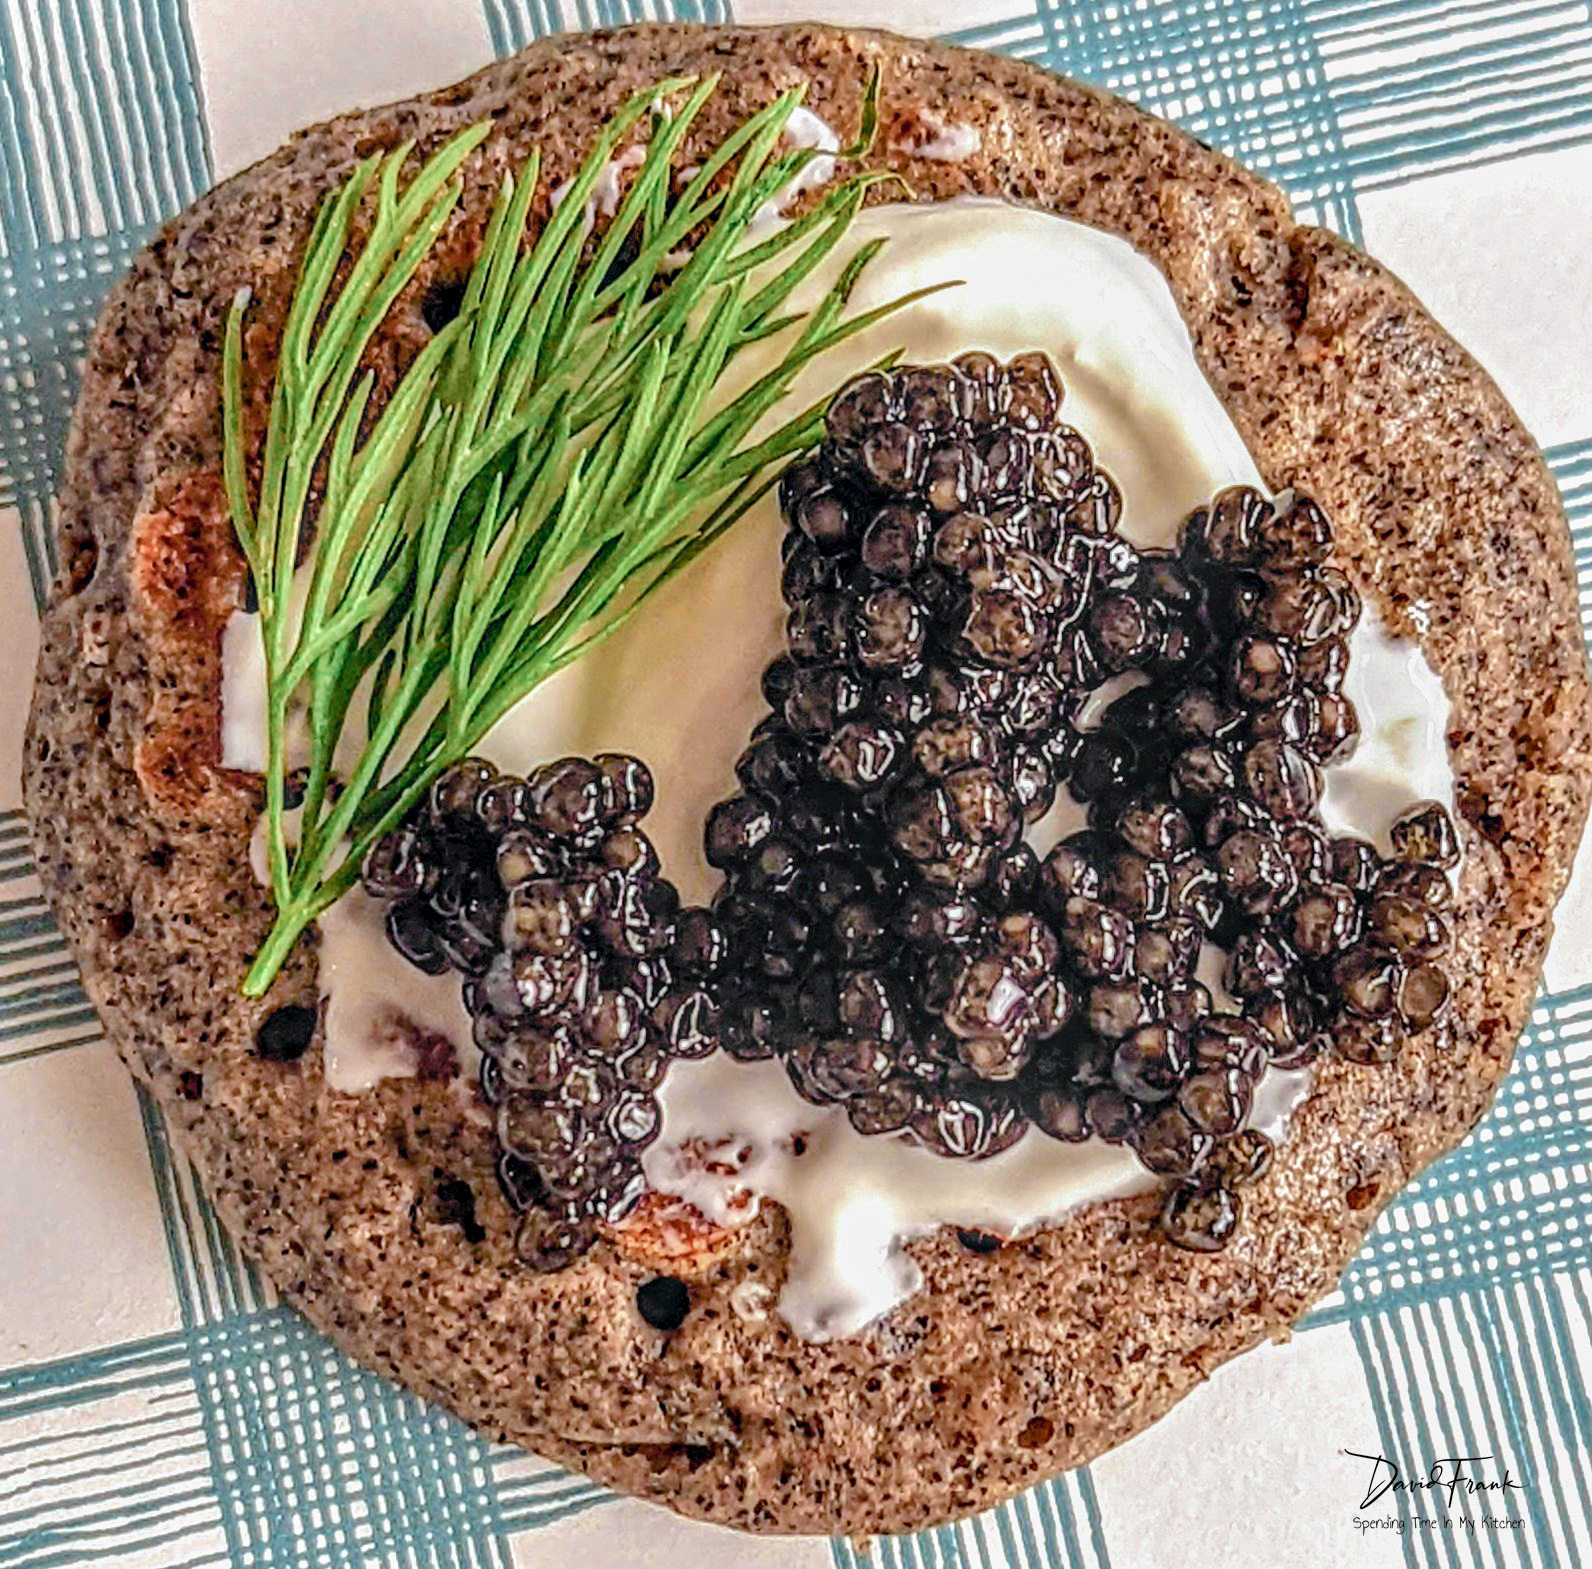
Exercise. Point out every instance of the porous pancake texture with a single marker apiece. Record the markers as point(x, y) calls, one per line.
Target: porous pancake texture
point(1010, 1366)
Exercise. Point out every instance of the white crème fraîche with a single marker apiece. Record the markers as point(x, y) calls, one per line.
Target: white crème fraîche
point(679, 687)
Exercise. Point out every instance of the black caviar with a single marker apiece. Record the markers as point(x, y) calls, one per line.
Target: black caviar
point(968, 634)
point(285, 1033)
point(663, 1302)
point(583, 975)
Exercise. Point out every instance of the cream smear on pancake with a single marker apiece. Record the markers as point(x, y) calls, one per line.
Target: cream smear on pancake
point(924, 134)
point(1403, 750)
point(679, 687)
point(732, 1128)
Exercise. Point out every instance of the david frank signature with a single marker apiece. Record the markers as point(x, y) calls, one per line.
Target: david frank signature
point(1448, 1476)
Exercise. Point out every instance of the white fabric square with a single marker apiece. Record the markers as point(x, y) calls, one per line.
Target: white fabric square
point(272, 69)
point(1498, 254)
point(642, 1536)
point(1248, 1473)
point(917, 18)
point(80, 1226)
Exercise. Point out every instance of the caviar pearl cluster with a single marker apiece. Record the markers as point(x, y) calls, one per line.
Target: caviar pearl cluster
point(967, 634)
point(582, 974)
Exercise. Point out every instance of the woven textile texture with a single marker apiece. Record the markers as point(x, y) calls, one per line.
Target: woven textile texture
point(158, 1407)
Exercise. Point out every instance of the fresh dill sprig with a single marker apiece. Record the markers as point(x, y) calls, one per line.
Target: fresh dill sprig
point(550, 459)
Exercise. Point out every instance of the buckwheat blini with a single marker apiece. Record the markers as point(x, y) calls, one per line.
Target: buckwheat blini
point(1009, 1365)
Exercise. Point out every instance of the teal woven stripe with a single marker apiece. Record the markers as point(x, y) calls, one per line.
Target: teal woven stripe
point(1572, 468)
point(532, 1502)
point(1250, 80)
point(1451, 1243)
point(22, 191)
point(1300, 93)
point(255, 1444)
point(44, 1016)
point(162, 1428)
point(318, 1462)
point(212, 1280)
point(113, 1522)
point(1057, 1523)
point(1559, 1422)
point(1471, 103)
point(80, 1019)
point(30, 962)
point(144, 1366)
point(1541, 1120)
point(308, 1461)
point(106, 1486)
point(42, 1005)
point(1486, 82)
point(100, 128)
point(36, 1004)
point(102, 160)
point(17, 924)
point(31, 968)
point(100, 137)
point(1516, 1199)
point(1494, 1373)
point(49, 1048)
point(24, 919)
point(49, 298)
point(1403, 1437)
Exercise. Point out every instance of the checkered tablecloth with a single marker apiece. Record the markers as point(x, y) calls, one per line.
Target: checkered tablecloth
point(158, 1407)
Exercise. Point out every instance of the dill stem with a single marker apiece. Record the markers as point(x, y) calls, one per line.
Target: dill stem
point(551, 459)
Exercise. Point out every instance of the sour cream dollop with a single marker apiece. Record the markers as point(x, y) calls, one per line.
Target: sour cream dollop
point(679, 687)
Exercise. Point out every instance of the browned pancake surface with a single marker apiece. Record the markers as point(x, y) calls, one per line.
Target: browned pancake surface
point(1009, 1367)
